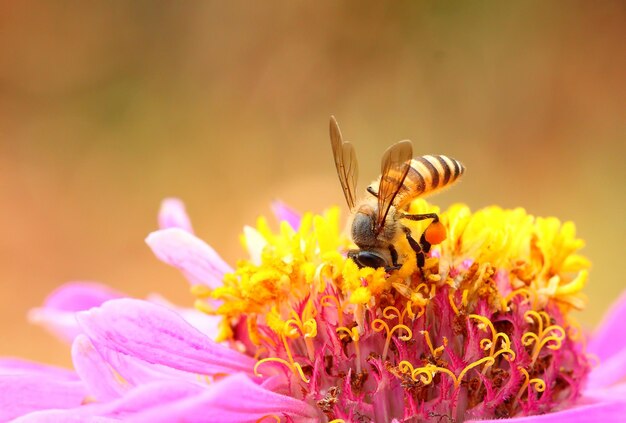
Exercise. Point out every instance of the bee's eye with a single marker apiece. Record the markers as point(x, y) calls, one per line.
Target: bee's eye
point(369, 259)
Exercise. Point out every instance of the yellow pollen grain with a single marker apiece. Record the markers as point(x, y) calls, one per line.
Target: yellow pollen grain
point(361, 295)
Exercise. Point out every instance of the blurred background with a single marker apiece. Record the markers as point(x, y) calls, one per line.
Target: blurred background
point(106, 108)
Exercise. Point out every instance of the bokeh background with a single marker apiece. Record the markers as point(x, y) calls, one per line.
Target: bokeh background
point(107, 107)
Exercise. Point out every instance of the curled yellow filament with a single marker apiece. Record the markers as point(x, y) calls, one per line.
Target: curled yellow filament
point(287, 349)
point(329, 300)
point(379, 325)
point(296, 368)
point(422, 286)
point(391, 312)
point(489, 360)
point(426, 373)
point(525, 292)
point(453, 304)
point(307, 328)
point(435, 352)
point(546, 333)
point(464, 298)
point(354, 335)
point(537, 383)
point(490, 344)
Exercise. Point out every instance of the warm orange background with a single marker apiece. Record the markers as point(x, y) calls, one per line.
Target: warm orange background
point(105, 108)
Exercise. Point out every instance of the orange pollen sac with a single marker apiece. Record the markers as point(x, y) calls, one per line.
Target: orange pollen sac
point(435, 233)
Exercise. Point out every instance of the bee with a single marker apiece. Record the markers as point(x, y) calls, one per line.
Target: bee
point(377, 219)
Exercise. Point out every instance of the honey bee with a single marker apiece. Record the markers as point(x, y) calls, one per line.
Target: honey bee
point(377, 219)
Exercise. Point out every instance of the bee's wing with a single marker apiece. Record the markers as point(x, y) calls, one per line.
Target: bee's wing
point(345, 161)
point(395, 165)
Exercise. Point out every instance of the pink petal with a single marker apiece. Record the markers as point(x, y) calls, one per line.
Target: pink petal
point(611, 411)
point(79, 296)
point(61, 324)
point(286, 213)
point(141, 398)
point(136, 371)
point(615, 392)
point(157, 335)
point(57, 313)
point(233, 399)
point(610, 337)
point(608, 372)
point(25, 393)
point(103, 384)
point(192, 256)
point(61, 416)
point(173, 215)
point(17, 366)
point(148, 396)
point(208, 325)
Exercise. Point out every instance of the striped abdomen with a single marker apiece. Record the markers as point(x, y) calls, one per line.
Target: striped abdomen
point(428, 174)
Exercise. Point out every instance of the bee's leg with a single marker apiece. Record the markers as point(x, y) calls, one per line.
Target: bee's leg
point(425, 245)
point(419, 252)
point(394, 259)
point(394, 255)
point(371, 191)
point(433, 216)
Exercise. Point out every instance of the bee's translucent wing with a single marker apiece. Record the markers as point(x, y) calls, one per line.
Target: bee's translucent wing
point(345, 161)
point(395, 165)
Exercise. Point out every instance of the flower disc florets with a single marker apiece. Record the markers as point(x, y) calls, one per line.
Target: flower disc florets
point(482, 331)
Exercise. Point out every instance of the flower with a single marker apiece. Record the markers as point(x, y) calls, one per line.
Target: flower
point(299, 333)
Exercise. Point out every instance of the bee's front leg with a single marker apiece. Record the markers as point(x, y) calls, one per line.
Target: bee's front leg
point(394, 259)
point(419, 252)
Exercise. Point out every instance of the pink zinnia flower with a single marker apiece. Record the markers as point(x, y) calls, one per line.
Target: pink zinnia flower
point(299, 333)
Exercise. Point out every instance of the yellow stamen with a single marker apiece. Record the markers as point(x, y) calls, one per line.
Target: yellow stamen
point(552, 333)
point(538, 384)
point(423, 287)
point(452, 303)
point(328, 300)
point(274, 416)
point(354, 335)
point(485, 324)
point(391, 312)
point(294, 367)
point(308, 329)
point(574, 286)
point(521, 291)
point(202, 306)
point(433, 290)
point(287, 349)
point(435, 352)
point(427, 373)
point(201, 291)
point(378, 325)
point(469, 367)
